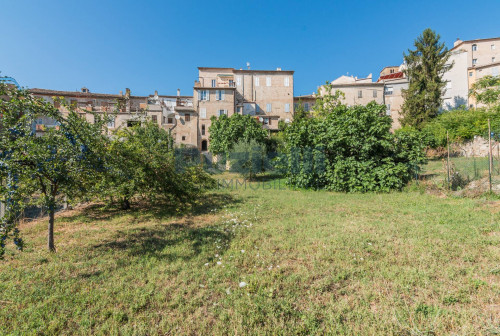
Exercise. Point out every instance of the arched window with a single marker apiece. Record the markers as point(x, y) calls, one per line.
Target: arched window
point(204, 145)
point(474, 47)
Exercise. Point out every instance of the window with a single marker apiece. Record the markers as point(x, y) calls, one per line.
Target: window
point(470, 74)
point(388, 90)
point(154, 118)
point(493, 60)
point(204, 145)
point(204, 95)
point(287, 107)
point(306, 106)
point(374, 93)
point(203, 113)
point(238, 81)
point(474, 61)
point(268, 107)
point(287, 81)
point(57, 103)
point(268, 81)
point(111, 122)
point(219, 94)
point(474, 47)
point(202, 129)
point(360, 94)
point(388, 111)
point(391, 71)
point(183, 138)
point(187, 117)
point(238, 109)
point(257, 83)
point(492, 47)
point(213, 82)
point(222, 112)
point(170, 120)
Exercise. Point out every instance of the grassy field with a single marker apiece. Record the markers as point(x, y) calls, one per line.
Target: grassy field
point(262, 260)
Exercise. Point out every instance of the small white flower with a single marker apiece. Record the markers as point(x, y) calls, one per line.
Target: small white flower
point(361, 259)
point(217, 256)
point(206, 264)
point(219, 263)
point(202, 286)
point(242, 251)
point(243, 284)
point(228, 291)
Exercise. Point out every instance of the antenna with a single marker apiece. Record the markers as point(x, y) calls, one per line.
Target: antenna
point(248, 65)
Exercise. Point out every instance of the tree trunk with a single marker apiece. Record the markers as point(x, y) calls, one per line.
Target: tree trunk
point(50, 240)
point(125, 204)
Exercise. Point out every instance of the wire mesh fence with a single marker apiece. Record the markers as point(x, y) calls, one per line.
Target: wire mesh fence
point(471, 168)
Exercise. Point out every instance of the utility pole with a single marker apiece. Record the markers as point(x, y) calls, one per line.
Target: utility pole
point(490, 167)
point(448, 158)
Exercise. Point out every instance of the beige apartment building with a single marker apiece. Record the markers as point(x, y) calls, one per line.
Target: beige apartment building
point(265, 94)
point(472, 60)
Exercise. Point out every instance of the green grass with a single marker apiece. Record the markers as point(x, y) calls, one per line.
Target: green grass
point(314, 263)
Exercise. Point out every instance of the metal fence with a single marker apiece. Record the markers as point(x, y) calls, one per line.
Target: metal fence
point(470, 168)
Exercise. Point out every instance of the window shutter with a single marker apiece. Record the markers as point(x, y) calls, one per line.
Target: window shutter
point(223, 94)
point(216, 94)
point(257, 81)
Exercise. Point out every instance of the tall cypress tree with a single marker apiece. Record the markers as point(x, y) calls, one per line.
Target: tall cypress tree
point(425, 67)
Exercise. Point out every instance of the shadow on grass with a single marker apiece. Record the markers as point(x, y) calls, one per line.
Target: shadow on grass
point(184, 228)
point(144, 210)
point(162, 241)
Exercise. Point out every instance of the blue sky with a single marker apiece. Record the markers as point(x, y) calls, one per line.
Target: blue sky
point(158, 45)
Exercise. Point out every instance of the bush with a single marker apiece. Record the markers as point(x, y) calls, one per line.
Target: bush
point(350, 149)
point(249, 159)
point(462, 125)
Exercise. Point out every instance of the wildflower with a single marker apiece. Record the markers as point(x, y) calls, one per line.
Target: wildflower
point(206, 264)
point(219, 263)
point(243, 284)
point(228, 291)
point(242, 251)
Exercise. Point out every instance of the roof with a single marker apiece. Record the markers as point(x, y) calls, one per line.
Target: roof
point(476, 40)
point(244, 70)
point(78, 94)
point(184, 108)
point(305, 97)
point(395, 75)
point(483, 66)
point(166, 96)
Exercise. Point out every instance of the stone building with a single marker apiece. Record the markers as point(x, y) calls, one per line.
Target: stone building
point(265, 94)
point(472, 60)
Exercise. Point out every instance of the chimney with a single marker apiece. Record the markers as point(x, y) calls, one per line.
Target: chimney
point(127, 92)
point(156, 93)
point(278, 69)
point(178, 92)
point(457, 42)
point(121, 93)
point(85, 90)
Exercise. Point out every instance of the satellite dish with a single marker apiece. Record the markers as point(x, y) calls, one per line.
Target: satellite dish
point(261, 119)
point(177, 117)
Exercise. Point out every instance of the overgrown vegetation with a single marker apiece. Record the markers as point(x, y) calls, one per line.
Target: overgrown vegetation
point(349, 149)
point(226, 131)
point(75, 159)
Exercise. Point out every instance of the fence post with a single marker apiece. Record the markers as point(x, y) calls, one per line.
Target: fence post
point(448, 159)
point(490, 158)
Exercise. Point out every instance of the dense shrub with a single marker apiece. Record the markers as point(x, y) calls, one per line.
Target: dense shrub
point(462, 125)
point(350, 149)
point(226, 131)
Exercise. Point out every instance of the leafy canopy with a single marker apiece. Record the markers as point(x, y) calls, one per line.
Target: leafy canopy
point(226, 131)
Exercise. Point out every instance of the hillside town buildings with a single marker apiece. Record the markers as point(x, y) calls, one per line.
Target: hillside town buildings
point(268, 95)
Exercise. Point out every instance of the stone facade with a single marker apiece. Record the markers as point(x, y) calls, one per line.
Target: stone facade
point(265, 94)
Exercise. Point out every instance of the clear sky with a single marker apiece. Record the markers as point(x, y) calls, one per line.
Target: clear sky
point(157, 45)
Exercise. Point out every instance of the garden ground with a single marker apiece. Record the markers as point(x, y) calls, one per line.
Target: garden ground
point(262, 260)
